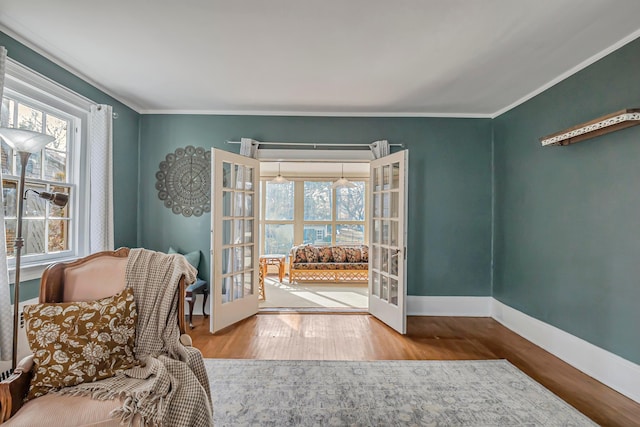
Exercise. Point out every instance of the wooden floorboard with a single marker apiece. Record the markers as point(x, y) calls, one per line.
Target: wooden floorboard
point(362, 337)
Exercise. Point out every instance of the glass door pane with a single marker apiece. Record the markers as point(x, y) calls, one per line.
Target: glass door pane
point(387, 225)
point(233, 238)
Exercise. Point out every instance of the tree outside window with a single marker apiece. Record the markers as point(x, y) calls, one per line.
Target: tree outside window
point(312, 212)
point(45, 227)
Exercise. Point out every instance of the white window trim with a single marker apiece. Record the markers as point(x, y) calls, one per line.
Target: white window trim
point(27, 82)
point(17, 76)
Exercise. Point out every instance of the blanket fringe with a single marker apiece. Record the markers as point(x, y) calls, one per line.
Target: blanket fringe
point(133, 403)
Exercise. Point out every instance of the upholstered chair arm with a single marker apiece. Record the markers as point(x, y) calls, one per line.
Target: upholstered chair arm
point(186, 341)
point(25, 364)
point(15, 388)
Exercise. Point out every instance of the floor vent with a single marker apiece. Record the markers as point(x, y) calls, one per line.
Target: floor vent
point(6, 374)
point(22, 319)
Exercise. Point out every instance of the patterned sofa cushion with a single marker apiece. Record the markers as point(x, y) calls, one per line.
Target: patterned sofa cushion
point(325, 254)
point(339, 254)
point(311, 253)
point(354, 254)
point(305, 254)
point(299, 254)
point(331, 266)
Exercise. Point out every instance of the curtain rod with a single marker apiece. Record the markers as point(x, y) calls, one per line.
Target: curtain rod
point(314, 144)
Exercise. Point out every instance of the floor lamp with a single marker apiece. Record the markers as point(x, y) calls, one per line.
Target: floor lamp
point(24, 143)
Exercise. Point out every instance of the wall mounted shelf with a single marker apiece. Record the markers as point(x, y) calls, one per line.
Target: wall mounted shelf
point(596, 127)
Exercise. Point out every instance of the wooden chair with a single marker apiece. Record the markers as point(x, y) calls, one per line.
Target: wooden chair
point(199, 287)
point(96, 276)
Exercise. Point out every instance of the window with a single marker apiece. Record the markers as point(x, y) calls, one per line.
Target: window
point(350, 214)
point(32, 102)
point(45, 227)
point(311, 211)
point(278, 217)
point(334, 216)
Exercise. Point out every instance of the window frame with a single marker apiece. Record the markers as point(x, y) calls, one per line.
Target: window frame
point(263, 214)
point(22, 83)
point(298, 213)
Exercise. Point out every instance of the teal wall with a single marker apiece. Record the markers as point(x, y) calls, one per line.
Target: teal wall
point(449, 186)
point(567, 220)
point(125, 146)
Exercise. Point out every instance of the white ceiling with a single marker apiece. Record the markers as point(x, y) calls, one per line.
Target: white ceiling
point(323, 57)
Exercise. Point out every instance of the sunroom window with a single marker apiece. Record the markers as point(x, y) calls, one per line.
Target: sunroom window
point(312, 212)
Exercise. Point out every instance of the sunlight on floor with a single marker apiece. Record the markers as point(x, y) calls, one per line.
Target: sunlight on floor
point(315, 295)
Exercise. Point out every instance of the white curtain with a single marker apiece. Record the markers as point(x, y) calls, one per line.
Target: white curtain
point(6, 317)
point(101, 178)
point(380, 148)
point(249, 147)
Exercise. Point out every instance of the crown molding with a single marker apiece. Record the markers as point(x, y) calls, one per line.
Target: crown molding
point(316, 113)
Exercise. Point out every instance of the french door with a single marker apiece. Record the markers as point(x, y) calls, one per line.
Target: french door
point(234, 238)
point(387, 241)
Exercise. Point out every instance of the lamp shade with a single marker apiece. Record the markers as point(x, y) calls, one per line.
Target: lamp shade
point(343, 182)
point(25, 141)
point(58, 199)
point(279, 179)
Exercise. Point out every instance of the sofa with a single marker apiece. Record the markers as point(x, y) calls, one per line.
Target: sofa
point(337, 263)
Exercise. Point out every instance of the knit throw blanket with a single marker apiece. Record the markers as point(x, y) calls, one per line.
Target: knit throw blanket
point(170, 387)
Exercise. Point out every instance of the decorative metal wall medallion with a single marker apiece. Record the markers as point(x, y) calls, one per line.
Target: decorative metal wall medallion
point(184, 181)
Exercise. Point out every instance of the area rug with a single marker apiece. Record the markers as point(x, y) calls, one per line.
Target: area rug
point(382, 393)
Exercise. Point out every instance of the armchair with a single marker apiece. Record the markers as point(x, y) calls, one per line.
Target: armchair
point(94, 277)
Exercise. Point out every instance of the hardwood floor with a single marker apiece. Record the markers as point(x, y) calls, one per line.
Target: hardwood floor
point(362, 337)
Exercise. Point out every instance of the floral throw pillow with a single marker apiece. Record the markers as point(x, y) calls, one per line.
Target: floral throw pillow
point(365, 253)
point(324, 254)
point(78, 342)
point(353, 255)
point(300, 255)
point(339, 254)
point(311, 253)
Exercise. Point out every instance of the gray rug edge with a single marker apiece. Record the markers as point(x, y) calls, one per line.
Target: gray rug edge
point(499, 362)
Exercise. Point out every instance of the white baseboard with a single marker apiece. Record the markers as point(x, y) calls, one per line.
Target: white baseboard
point(612, 370)
point(449, 306)
point(620, 374)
